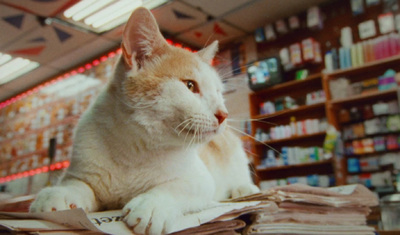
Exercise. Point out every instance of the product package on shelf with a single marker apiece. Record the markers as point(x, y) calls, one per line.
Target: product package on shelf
point(358, 54)
point(293, 129)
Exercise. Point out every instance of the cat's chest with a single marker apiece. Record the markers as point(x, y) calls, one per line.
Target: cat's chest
point(136, 177)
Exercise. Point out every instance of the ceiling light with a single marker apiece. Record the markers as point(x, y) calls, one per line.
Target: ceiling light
point(87, 11)
point(103, 15)
point(11, 68)
point(4, 58)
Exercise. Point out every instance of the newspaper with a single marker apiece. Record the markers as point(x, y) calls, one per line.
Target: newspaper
point(111, 222)
point(217, 217)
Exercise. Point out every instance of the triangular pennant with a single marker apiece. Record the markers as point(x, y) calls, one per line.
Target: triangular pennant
point(198, 34)
point(62, 35)
point(181, 15)
point(38, 39)
point(28, 51)
point(219, 30)
point(15, 20)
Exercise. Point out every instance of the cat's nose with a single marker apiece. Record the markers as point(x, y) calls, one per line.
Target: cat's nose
point(221, 116)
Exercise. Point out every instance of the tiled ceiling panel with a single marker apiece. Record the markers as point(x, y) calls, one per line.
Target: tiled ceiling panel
point(209, 32)
point(115, 34)
point(40, 7)
point(86, 52)
point(14, 24)
point(176, 17)
point(49, 42)
point(259, 13)
point(219, 7)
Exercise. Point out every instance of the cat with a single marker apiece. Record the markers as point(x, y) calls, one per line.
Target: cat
point(155, 142)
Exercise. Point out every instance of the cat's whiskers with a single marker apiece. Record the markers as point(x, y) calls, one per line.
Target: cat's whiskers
point(189, 130)
point(187, 121)
point(244, 133)
point(251, 119)
point(191, 140)
point(184, 128)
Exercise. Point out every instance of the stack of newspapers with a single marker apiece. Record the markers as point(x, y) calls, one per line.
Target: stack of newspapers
point(311, 210)
point(292, 209)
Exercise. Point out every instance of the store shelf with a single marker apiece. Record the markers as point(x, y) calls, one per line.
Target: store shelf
point(292, 112)
point(354, 155)
point(37, 152)
point(395, 60)
point(365, 97)
point(382, 169)
point(65, 121)
point(373, 135)
point(352, 122)
point(314, 78)
point(293, 139)
point(297, 90)
point(320, 167)
point(295, 166)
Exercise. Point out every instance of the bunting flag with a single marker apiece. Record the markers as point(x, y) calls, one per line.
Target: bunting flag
point(15, 20)
point(181, 15)
point(198, 34)
point(38, 39)
point(219, 30)
point(62, 35)
point(28, 51)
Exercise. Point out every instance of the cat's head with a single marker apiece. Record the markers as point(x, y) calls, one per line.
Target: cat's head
point(174, 94)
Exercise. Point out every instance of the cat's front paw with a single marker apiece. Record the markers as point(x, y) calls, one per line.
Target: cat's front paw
point(60, 198)
point(244, 190)
point(151, 214)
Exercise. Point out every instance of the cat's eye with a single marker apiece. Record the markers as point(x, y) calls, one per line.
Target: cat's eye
point(192, 86)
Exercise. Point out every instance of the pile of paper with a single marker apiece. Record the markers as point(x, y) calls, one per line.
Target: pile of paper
point(216, 218)
point(293, 209)
point(310, 210)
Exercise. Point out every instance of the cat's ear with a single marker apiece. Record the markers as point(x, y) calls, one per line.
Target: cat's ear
point(208, 53)
point(141, 39)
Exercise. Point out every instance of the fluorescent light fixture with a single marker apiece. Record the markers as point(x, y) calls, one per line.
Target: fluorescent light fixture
point(103, 15)
point(85, 12)
point(11, 68)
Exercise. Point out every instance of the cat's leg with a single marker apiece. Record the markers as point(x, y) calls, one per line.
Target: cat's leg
point(240, 171)
point(70, 194)
point(244, 190)
point(158, 210)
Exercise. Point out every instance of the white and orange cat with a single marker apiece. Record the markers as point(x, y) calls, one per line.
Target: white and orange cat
point(155, 142)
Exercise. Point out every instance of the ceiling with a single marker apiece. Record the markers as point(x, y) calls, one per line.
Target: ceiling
point(59, 46)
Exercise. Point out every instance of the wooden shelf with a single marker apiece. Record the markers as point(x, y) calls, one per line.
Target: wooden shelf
point(381, 169)
point(291, 112)
point(395, 60)
point(372, 153)
point(323, 167)
point(373, 135)
point(365, 97)
point(293, 138)
point(291, 84)
point(362, 120)
point(277, 168)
